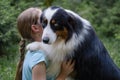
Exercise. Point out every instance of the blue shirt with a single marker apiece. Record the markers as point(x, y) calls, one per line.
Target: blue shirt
point(31, 59)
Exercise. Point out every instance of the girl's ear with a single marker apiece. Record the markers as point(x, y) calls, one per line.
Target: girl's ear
point(35, 28)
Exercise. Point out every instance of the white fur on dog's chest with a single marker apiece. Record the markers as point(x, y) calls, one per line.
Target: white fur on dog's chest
point(53, 69)
point(58, 51)
point(56, 54)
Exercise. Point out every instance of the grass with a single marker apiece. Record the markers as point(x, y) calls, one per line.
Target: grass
point(8, 63)
point(7, 68)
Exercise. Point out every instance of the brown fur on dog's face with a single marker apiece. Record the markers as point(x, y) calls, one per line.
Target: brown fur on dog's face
point(62, 34)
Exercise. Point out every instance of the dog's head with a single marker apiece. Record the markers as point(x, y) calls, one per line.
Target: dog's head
point(56, 23)
point(59, 25)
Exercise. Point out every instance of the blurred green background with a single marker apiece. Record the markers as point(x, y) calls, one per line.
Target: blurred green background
point(104, 15)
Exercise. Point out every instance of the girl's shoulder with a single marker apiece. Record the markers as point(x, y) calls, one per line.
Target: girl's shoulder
point(35, 53)
point(36, 57)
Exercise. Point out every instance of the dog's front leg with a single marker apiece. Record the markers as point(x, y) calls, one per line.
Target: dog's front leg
point(34, 46)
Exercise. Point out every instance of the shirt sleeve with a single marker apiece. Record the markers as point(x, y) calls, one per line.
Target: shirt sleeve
point(38, 56)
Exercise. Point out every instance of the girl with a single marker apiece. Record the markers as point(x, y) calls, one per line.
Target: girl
point(33, 66)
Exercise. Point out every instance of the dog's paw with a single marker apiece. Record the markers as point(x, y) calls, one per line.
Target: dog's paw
point(33, 46)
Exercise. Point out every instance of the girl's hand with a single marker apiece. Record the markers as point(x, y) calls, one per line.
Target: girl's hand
point(66, 68)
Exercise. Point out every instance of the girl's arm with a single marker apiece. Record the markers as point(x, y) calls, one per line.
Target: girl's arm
point(39, 71)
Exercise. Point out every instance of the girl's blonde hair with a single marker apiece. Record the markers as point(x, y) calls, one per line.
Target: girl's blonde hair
point(24, 22)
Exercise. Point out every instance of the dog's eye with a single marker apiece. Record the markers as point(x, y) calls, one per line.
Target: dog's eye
point(57, 27)
point(44, 23)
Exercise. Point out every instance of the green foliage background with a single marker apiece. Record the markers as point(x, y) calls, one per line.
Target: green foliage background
point(104, 16)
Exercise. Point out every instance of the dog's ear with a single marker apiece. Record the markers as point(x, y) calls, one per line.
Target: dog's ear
point(71, 20)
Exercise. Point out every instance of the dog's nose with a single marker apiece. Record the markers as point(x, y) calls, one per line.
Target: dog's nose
point(46, 40)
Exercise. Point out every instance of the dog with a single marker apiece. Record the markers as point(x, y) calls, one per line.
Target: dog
point(67, 35)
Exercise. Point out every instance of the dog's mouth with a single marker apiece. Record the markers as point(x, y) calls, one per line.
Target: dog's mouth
point(58, 37)
point(47, 40)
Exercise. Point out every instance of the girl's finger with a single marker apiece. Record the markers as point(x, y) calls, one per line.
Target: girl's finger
point(69, 62)
point(72, 64)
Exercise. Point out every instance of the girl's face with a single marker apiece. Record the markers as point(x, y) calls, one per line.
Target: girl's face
point(37, 30)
